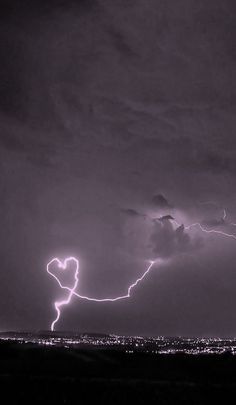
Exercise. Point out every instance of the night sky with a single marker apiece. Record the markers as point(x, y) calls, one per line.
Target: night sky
point(113, 113)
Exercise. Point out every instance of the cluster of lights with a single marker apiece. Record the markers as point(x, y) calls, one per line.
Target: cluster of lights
point(130, 344)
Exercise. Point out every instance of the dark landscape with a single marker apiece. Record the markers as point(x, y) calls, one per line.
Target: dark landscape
point(35, 374)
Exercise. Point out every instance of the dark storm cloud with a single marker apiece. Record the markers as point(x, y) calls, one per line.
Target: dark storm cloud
point(62, 84)
point(132, 213)
point(160, 201)
point(105, 104)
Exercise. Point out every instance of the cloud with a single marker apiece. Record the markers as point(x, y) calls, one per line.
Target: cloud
point(166, 241)
point(132, 213)
point(160, 201)
point(165, 218)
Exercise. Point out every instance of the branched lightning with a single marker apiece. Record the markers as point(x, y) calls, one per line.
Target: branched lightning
point(63, 265)
point(72, 291)
point(197, 224)
point(216, 231)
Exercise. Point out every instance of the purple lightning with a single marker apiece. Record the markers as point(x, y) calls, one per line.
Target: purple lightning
point(72, 291)
point(199, 225)
point(63, 265)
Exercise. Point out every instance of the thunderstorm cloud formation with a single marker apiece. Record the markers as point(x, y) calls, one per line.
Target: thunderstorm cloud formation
point(167, 241)
point(114, 114)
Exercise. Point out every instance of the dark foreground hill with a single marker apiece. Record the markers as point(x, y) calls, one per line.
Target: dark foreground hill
point(33, 374)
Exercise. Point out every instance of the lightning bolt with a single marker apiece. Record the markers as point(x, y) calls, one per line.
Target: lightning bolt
point(216, 231)
point(63, 265)
point(72, 291)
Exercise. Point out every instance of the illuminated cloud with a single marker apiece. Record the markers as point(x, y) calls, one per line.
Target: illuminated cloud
point(166, 241)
